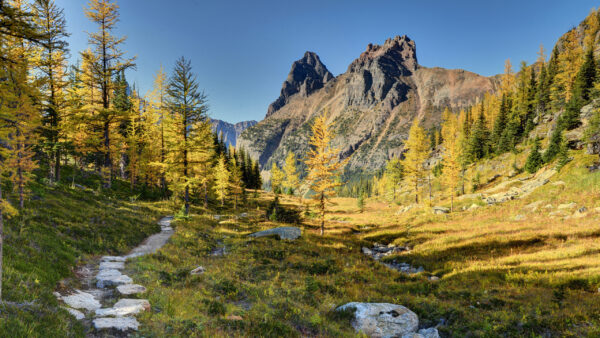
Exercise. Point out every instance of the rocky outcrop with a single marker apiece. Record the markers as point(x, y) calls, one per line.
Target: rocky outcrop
point(306, 76)
point(382, 319)
point(290, 233)
point(230, 131)
point(371, 105)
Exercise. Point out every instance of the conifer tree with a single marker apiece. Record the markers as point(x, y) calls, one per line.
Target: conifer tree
point(568, 64)
point(51, 62)
point(500, 126)
point(277, 178)
point(556, 139)
point(106, 60)
point(584, 82)
point(534, 160)
point(236, 182)
point(414, 160)
point(563, 155)
point(292, 179)
point(187, 128)
point(452, 155)
point(394, 173)
point(222, 177)
point(323, 165)
point(479, 138)
point(157, 109)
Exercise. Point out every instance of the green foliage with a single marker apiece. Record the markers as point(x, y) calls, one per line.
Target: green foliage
point(556, 140)
point(534, 160)
point(479, 139)
point(360, 203)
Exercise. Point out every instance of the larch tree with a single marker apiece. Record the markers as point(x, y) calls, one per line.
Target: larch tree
point(222, 177)
point(236, 182)
point(277, 178)
point(394, 173)
point(292, 178)
point(106, 60)
point(324, 165)
point(452, 155)
point(187, 127)
point(414, 160)
point(569, 62)
point(157, 108)
point(51, 62)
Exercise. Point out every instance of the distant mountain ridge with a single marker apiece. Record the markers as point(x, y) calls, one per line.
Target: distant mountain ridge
point(230, 131)
point(371, 105)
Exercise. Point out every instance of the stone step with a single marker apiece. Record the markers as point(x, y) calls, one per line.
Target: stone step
point(112, 265)
point(130, 289)
point(111, 277)
point(118, 323)
point(112, 259)
point(81, 300)
point(125, 307)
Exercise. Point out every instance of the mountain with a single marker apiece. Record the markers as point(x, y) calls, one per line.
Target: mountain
point(231, 132)
point(371, 105)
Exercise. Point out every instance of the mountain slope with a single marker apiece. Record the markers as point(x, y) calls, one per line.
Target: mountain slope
point(372, 104)
point(230, 131)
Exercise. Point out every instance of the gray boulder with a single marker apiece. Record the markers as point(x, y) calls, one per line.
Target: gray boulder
point(441, 210)
point(290, 233)
point(382, 319)
point(118, 323)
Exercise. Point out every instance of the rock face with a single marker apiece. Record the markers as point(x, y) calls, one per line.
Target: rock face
point(382, 319)
point(306, 76)
point(230, 131)
point(371, 105)
point(290, 233)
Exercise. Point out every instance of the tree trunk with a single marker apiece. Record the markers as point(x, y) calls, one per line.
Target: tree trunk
point(1, 242)
point(205, 195)
point(322, 206)
point(451, 202)
point(57, 165)
point(416, 192)
point(107, 160)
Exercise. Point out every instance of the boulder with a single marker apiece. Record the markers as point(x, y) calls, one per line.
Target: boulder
point(290, 233)
point(431, 332)
point(125, 307)
point(111, 277)
point(119, 323)
point(197, 271)
point(441, 210)
point(382, 319)
point(130, 289)
point(82, 300)
point(567, 206)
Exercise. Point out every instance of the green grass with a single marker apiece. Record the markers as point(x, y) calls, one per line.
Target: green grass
point(61, 228)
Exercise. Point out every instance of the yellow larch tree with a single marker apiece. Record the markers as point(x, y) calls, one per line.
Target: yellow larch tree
point(569, 62)
point(452, 154)
point(277, 177)
point(222, 176)
point(292, 179)
point(157, 111)
point(324, 165)
point(414, 160)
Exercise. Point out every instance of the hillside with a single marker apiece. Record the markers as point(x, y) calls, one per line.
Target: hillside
point(371, 105)
point(230, 131)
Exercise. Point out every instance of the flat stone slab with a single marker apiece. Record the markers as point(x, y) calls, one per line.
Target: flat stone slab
point(112, 265)
point(112, 259)
point(111, 277)
point(290, 233)
point(382, 319)
point(118, 323)
point(81, 300)
point(125, 307)
point(130, 289)
point(75, 313)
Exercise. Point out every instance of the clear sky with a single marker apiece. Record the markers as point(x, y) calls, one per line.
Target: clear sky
point(243, 50)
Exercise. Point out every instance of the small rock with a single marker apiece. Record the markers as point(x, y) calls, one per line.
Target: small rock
point(111, 265)
point(533, 206)
point(434, 278)
point(82, 300)
point(118, 323)
point(290, 233)
point(244, 215)
point(567, 206)
point(112, 259)
point(557, 213)
point(382, 319)
point(125, 307)
point(367, 251)
point(431, 332)
point(441, 210)
point(197, 271)
point(234, 317)
point(130, 289)
point(519, 217)
point(474, 206)
point(548, 206)
point(75, 313)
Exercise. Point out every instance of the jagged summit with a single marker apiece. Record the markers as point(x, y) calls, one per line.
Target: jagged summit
point(307, 75)
point(400, 50)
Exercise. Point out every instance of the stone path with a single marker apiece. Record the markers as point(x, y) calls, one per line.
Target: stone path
point(103, 283)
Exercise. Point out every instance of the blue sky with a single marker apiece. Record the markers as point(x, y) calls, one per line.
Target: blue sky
point(243, 50)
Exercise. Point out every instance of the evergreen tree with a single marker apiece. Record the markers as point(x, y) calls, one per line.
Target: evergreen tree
point(222, 177)
point(534, 160)
point(584, 82)
point(394, 173)
point(556, 140)
point(500, 126)
point(236, 182)
point(52, 64)
point(563, 155)
point(479, 139)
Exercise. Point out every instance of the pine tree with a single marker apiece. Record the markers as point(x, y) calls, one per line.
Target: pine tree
point(187, 127)
point(292, 179)
point(51, 62)
point(584, 82)
point(563, 155)
point(414, 160)
point(323, 165)
point(534, 160)
point(222, 177)
point(106, 61)
point(554, 145)
point(277, 178)
point(500, 126)
point(479, 138)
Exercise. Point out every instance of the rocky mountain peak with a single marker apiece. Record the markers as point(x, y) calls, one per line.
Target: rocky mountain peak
point(399, 52)
point(306, 76)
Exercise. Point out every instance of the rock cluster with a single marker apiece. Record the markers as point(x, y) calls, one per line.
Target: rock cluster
point(379, 251)
point(289, 233)
point(120, 316)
